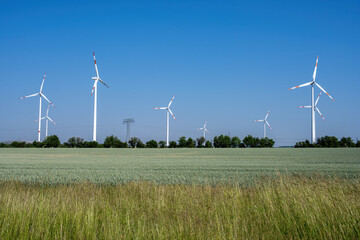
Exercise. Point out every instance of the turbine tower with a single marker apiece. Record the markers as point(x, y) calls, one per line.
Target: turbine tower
point(128, 121)
point(204, 129)
point(47, 120)
point(94, 89)
point(265, 123)
point(315, 106)
point(312, 83)
point(167, 119)
point(40, 96)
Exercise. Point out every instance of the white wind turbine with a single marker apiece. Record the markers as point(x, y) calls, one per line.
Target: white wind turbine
point(167, 119)
point(94, 89)
point(40, 95)
point(204, 129)
point(47, 120)
point(315, 106)
point(312, 83)
point(265, 123)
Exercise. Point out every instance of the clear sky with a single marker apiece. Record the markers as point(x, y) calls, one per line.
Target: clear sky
point(227, 62)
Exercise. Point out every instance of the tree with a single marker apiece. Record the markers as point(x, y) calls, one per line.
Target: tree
point(162, 144)
point(190, 143)
point(235, 142)
point(140, 144)
point(328, 141)
point(91, 144)
point(357, 143)
point(172, 144)
point(133, 141)
point(51, 142)
point(347, 142)
point(222, 141)
point(182, 142)
point(200, 142)
point(251, 141)
point(208, 144)
point(112, 142)
point(266, 142)
point(74, 142)
point(151, 144)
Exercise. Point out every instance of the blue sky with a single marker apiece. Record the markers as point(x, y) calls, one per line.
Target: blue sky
point(227, 62)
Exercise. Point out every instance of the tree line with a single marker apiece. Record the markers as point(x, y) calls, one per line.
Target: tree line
point(329, 142)
point(222, 141)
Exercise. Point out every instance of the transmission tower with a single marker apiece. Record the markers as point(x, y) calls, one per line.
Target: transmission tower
point(128, 121)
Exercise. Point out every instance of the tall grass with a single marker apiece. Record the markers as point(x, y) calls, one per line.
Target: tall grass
point(282, 208)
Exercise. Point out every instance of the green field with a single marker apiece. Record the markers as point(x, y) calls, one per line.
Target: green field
point(172, 166)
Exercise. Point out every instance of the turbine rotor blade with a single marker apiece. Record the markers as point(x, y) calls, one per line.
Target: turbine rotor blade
point(259, 120)
point(314, 74)
point(268, 124)
point(304, 107)
point(51, 120)
point(46, 99)
point(302, 85)
point(96, 69)
point(324, 91)
point(171, 101)
point(267, 115)
point(320, 113)
point(161, 108)
point(32, 95)
point(42, 84)
point(47, 111)
point(92, 91)
point(103, 82)
point(317, 100)
point(171, 113)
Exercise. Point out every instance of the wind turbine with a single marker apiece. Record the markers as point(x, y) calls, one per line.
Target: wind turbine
point(47, 120)
point(167, 119)
point(312, 83)
point(40, 95)
point(265, 123)
point(94, 89)
point(315, 106)
point(204, 129)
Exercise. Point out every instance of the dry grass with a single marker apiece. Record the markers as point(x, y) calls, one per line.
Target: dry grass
point(294, 207)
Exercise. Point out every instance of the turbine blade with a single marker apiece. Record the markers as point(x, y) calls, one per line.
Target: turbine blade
point(314, 74)
point(46, 99)
point(316, 102)
point(92, 91)
point(207, 131)
point(268, 124)
point(96, 69)
point(320, 113)
point(304, 107)
point(200, 129)
point(302, 85)
point(103, 82)
point(32, 95)
point(324, 91)
point(51, 120)
point(259, 120)
point(205, 124)
point(267, 115)
point(42, 84)
point(171, 101)
point(161, 108)
point(47, 111)
point(171, 113)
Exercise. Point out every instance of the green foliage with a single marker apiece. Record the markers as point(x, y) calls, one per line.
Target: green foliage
point(222, 141)
point(51, 142)
point(162, 144)
point(112, 142)
point(135, 142)
point(357, 143)
point(190, 143)
point(74, 142)
point(151, 144)
point(235, 142)
point(91, 144)
point(208, 144)
point(266, 142)
point(347, 142)
point(182, 142)
point(280, 208)
point(251, 141)
point(328, 142)
point(200, 142)
point(172, 144)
